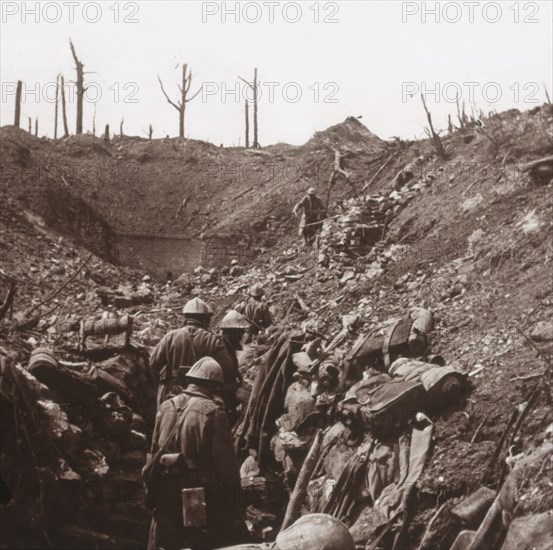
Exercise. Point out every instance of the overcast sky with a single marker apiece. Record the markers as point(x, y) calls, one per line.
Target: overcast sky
point(318, 62)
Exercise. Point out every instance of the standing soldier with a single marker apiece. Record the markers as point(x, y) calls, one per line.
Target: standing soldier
point(233, 327)
point(196, 492)
point(257, 312)
point(179, 349)
point(312, 216)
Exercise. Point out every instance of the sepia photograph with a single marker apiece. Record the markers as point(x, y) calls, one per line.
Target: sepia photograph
point(276, 275)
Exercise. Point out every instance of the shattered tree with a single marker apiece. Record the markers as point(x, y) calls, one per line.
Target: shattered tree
point(253, 86)
point(184, 89)
point(79, 68)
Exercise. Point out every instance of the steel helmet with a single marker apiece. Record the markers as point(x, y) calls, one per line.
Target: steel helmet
point(316, 532)
point(233, 319)
point(206, 370)
point(256, 290)
point(196, 307)
point(311, 191)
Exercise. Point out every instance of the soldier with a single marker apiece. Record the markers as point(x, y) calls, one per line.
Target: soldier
point(233, 327)
point(193, 433)
point(313, 212)
point(256, 312)
point(182, 347)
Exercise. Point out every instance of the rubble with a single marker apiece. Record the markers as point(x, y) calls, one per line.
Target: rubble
point(74, 369)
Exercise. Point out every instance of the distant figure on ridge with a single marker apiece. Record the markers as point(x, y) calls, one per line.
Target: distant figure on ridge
point(312, 216)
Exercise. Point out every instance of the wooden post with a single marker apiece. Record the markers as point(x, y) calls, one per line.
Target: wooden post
point(106, 134)
point(150, 132)
point(36, 126)
point(121, 127)
point(30, 125)
point(17, 104)
point(300, 488)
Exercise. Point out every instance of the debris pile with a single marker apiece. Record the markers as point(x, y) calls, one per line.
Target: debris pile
point(354, 233)
point(74, 443)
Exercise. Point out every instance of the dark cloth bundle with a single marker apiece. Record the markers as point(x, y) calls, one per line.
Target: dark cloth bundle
point(266, 402)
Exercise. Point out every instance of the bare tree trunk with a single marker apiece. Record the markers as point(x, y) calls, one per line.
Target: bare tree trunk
point(255, 140)
point(449, 124)
point(36, 126)
point(79, 67)
point(184, 88)
point(63, 108)
point(121, 127)
point(30, 125)
point(253, 86)
point(57, 107)
point(181, 121)
point(106, 134)
point(459, 117)
point(17, 104)
point(435, 137)
point(548, 99)
point(247, 114)
point(150, 132)
point(94, 122)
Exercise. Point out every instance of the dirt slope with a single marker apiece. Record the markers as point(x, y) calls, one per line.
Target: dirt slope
point(471, 238)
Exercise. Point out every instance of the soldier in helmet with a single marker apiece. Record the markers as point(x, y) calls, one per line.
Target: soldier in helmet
point(179, 349)
point(257, 312)
point(313, 213)
point(193, 444)
point(233, 327)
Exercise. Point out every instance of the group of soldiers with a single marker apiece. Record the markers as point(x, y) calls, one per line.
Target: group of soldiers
point(196, 374)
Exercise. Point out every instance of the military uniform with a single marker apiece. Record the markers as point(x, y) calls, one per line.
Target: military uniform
point(258, 315)
point(313, 213)
point(182, 348)
point(203, 438)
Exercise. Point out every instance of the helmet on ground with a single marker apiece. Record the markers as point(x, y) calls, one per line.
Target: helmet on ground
point(146, 278)
point(196, 307)
point(256, 290)
point(316, 532)
point(206, 370)
point(233, 319)
point(234, 262)
point(311, 191)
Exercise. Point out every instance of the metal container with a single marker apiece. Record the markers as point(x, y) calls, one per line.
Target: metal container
point(193, 507)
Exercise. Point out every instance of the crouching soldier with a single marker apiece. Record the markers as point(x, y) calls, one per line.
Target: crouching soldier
point(179, 349)
point(192, 476)
point(257, 312)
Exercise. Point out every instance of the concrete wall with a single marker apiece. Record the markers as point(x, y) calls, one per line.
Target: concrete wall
point(158, 254)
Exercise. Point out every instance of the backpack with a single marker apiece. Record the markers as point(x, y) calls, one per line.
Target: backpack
point(152, 472)
point(393, 405)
